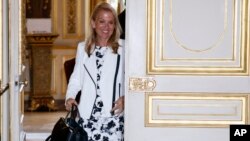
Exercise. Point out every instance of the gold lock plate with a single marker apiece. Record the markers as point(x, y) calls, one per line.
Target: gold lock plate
point(141, 84)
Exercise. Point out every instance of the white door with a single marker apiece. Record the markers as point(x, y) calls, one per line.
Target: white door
point(11, 71)
point(187, 69)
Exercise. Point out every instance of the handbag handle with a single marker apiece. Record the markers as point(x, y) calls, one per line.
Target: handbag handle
point(74, 113)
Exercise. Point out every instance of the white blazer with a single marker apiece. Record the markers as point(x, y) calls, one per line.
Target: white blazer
point(84, 78)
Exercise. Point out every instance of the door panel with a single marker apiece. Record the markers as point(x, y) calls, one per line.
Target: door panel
point(187, 69)
point(193, 37)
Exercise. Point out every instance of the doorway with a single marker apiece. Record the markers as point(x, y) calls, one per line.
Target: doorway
point(63, 49)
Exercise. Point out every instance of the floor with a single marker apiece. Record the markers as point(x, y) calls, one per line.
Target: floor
point(38, 125)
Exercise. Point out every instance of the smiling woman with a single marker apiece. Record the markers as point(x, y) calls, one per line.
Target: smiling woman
point(99, 60)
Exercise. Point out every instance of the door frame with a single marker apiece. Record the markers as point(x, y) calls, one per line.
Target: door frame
point(4, 72)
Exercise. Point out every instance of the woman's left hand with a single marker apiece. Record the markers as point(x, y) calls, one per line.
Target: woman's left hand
point(119, 106)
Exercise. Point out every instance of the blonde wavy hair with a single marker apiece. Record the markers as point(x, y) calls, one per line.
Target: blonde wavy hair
point(113, 40)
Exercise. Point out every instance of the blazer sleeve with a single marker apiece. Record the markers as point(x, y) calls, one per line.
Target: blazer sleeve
point(75, 81)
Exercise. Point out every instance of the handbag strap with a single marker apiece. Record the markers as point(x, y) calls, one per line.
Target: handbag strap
point(48, 138)
point(67, 115)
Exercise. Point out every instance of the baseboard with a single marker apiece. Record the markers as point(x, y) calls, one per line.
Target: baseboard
point(60, 105)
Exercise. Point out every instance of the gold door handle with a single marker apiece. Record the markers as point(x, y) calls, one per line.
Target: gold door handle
point(24, 83)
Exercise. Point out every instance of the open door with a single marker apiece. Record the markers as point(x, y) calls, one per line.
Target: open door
point(11, 70)
point(187, 69)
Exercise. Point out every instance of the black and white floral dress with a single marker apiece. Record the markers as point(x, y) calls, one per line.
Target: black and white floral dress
point(101, 128)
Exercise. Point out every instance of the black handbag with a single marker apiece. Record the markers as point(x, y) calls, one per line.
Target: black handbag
point(69, 128)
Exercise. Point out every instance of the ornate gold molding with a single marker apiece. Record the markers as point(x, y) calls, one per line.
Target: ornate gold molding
point(72, 19)
point(164, 109)
point(187, 62)
point(41, 38)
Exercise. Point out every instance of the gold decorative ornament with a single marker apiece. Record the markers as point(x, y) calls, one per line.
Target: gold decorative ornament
point(141, 84)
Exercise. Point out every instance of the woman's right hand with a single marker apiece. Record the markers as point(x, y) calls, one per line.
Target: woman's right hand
point(69, 103)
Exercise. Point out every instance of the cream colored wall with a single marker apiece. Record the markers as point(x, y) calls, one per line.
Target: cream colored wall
point(59, 84)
